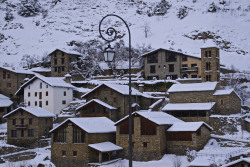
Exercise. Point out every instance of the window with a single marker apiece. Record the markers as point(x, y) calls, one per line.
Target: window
point(152, 69)
point(63, 153)
point(171, 67)
point(41, 85)
point(13, 121)
point(173, 77)
point(35, 94)
point(74, 153)
point(64, 102)
point(208, 66)
point(55, 61)
point(28, 103)
point(193, 76)
point(22, 121)
point(62, 53)
point(184, 57)
point(64, 93)
point(55, 69)
point(208, 53)
point(115, 99)
point(47, 86)
point(30, 132)
point(8, 85)
point(30, 121)
point(62, 68)
point(59, 69)
point(221, 101)
point(13, 133)
point(35, 103)
point(61, 135)
point(47, 103)
point(62, 60)
point(22, 133)
point(184, 66)
point(28, 94)
point(193, 65)
point(21, 112)
point(171, 56)
point(145, 144)
point(152, 58)
point(40, 95)
point(78, 135)
point(55, 54)
point(40, 104)
point(8, 76)
point(47, 93)
point(4, 74)
point(208, 77)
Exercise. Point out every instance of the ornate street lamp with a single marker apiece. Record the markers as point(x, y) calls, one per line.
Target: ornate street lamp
point(109, 54)
point(112, 33)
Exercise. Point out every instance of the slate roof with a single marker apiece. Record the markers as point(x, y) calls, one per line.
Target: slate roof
point(36, 111)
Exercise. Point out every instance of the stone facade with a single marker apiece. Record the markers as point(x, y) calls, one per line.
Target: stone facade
point(247, 124)
point(60, 62)
point(163, 63)
point(210, 64)
point(84, 154)
point(118, 100)
point(145, 147)
point(11, 80)
point(198, 140)
point(3, 111)
point(39, 125)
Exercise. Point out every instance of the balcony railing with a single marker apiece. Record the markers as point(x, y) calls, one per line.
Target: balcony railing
point(189, 69)
point(21, 126)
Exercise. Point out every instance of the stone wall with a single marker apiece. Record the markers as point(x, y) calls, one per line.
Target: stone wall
point(191, 97)
point(84, 153)
point(156, 144)
point(197, 143)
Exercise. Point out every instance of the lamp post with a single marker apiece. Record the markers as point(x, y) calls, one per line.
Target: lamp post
point(110, 53)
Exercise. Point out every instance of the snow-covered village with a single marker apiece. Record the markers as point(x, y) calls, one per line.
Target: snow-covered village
point(122, 83)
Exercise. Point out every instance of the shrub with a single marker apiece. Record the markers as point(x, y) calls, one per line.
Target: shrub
point(183, 12)
point(29, 8)
point(162, 7)
point(8, 16)
point(212, 8)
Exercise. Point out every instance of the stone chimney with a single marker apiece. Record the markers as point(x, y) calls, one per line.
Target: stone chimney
point(67, 78)
point(141, 88)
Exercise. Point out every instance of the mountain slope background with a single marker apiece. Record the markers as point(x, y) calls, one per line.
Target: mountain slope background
point(185, 26)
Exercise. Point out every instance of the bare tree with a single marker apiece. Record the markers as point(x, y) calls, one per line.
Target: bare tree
point(29, 61)
point(146, 29)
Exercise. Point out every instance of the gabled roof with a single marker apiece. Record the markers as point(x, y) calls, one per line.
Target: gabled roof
point(52, 81)
point(205, 86)
point(40, 69)
point(209, 44)
point(105, 147)
point(99, 102)
point(223, 92)
point(158, 117)
point(122, 89)
point(92, 124)
point(187, 126)
point(18, 71)
point(67, 51)
point(36, 111)
point(247, 160)
point(156, 50)
point(188, 106)
point(5, 101)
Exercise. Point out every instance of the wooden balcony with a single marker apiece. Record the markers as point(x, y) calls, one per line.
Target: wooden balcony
point(21, 126)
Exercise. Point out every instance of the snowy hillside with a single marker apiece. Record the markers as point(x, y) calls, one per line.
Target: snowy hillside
point(78, 20)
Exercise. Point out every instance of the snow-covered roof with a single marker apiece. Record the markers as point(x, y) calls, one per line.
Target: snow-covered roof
point(67, 51)
point(201, 162)
point(123, 89)
point(5, 101)
point(52, 81)
point(209, 44)
point(41, 69)
point(247, 120)
point(105, 146)
point(158, 117)
point(18, 70)
point(205, 86)
point(187, 126)
point(120, 65)
point(99, 102)
point(237, 161)
point(36, 111)
point(223, 92)
point(92, 124)
point(188, 106)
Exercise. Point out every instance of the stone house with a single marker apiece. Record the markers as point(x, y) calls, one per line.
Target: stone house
point(117, 96)
point(11, 79)
point(60, 61)
point(51, 93)
point(42, 71)
point(97, 108)
point(190, 112)
point(163, 63)
point(79, 141)
point(226, 101)
point(149, 134)
point(5, 106)
point(187, 135)
point(247, 124)
point(242, 162)
point(27, 125)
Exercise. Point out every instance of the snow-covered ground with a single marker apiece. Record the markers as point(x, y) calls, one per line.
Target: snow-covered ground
point(78, 20)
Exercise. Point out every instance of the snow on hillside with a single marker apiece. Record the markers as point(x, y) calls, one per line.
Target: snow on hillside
point(78, 20)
